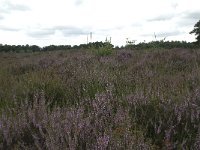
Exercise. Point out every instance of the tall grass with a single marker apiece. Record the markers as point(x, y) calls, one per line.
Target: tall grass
point(125, 100)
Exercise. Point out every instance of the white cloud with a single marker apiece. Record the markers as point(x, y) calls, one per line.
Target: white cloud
point(69, 21)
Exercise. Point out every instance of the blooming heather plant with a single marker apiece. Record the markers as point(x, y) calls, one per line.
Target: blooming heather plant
point(74, 100)
point(36, 127)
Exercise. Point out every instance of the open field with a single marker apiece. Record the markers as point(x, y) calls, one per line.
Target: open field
point(139, 99)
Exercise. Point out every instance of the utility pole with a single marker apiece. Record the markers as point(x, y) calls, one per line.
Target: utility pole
point(90, 36)
point(87, 38)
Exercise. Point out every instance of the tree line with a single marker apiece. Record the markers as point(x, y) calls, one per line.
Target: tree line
point(97, 45)
point(35, 48)
point(162, 44)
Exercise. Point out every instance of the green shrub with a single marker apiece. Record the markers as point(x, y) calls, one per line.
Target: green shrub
point(105, 50)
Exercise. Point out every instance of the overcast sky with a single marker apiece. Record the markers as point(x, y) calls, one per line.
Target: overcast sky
point(68, 22)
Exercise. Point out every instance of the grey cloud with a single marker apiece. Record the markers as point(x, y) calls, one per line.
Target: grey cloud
point(174, 5)
point(167, 34)
point(106, 31)
point(163, 34)
point(183, 19)
point(184, 22)
point(70, 30)
point(7, 7)
point(65, 30)
point(1, 17)
point(78, 2)
point(4, 28)
point(136, 24)
point(17, 7)
point(40, 33)
point(188, 19)
point(192, 15)
point(161, 18)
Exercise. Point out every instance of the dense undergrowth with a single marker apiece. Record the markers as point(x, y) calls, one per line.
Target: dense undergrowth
point(147, 99)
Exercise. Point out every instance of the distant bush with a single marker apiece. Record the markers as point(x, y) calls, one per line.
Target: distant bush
point(104, 50)
point(56, 47)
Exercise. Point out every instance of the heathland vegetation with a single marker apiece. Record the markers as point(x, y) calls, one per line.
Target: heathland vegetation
point(94, 96)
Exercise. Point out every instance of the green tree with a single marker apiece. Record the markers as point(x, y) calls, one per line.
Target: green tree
point(196, 31)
